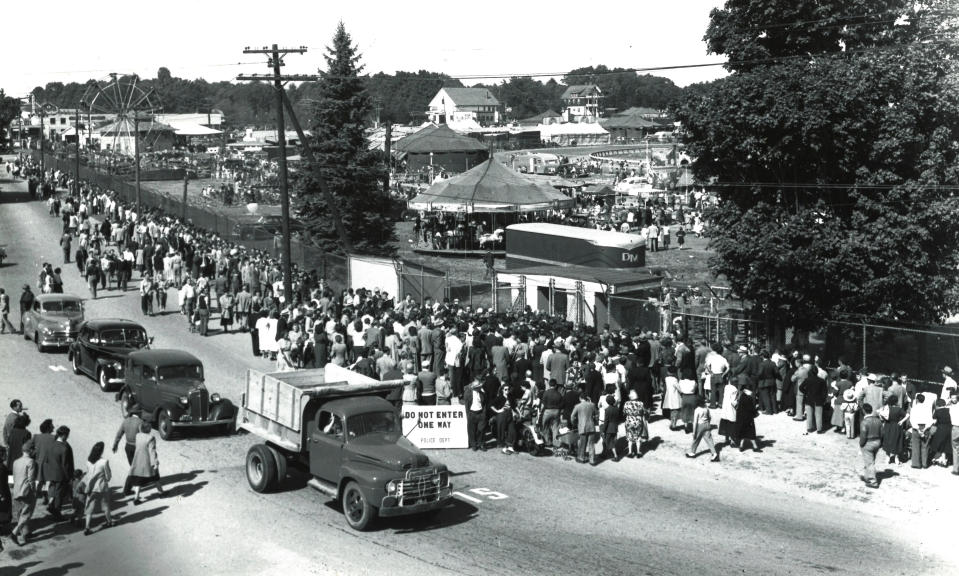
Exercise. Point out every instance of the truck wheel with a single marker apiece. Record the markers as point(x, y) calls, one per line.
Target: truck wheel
point(260, 468)
point(164, 425)
point(359, 513)
point(124, 403)
point(280, 461)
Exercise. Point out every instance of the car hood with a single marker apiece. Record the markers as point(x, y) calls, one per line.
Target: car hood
point(62, 321)
point(389, 449)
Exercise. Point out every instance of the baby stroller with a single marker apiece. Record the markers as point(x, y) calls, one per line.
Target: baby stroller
point(530, 437)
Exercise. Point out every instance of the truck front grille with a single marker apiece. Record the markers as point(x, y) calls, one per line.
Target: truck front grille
point(421, 485)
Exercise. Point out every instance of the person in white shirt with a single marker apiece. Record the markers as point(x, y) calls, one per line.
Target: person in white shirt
point(717, 367)
point(948, 383)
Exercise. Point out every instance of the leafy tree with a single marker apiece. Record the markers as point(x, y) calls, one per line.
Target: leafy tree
point(345, 164)
point(9, 110)
point(834, 144)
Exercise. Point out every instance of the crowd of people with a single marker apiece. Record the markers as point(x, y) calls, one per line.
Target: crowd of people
point(44, 470)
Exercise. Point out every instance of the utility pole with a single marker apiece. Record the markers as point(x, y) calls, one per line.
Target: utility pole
point(387, 145)
point(136, 158)
point(186, 182)
point(275, 61)
point(76, 180)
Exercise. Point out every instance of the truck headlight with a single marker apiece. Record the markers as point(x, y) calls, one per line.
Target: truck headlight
point(391, 487)
point(183, 400)
point(444, 478)
point(214, 397)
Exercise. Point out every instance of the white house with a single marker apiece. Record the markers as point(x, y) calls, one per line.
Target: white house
point(453, 105)
point(583, 103)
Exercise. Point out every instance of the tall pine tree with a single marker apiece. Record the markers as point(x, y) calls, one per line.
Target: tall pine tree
point(344, 163)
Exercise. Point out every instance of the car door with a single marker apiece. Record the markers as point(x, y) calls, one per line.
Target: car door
point(83, 353)
point(326, 445)
point(147, 393)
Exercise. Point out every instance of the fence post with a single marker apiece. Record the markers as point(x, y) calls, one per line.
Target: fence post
point(448, 295)
point(863, 343)
point(552, 296)
point(422, 286)
point(471, 287)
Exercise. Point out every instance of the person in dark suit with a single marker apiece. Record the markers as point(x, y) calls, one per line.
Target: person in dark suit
point(610, 427)
point(814, 394)
point(57, 468)
point(43, 442)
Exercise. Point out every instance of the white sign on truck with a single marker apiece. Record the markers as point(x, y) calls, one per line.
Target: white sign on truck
point(435, 426)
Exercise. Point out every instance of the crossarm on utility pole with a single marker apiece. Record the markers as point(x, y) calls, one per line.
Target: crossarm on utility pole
point(307, 153)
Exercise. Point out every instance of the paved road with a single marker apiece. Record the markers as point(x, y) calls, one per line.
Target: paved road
point(514, 514)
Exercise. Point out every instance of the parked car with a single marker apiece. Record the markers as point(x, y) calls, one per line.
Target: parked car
point(54, 320)
point(101, 348)
point(168, 386)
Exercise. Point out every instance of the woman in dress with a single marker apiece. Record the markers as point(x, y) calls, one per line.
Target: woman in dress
point(672, 399)
point(727, 422)
point(745, 426)
point(321, 343)
point(637, 430)
point(97, 482)
point(145, 468)
point(940, 447)
point(893, 438)
point(338, 351)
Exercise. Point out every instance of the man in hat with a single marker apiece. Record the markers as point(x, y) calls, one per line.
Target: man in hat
point(128, 430)
point(814, 396)
point(16, 408)
point(26, 303)
point(57, 466)
point(948, 383)
point(24, 492)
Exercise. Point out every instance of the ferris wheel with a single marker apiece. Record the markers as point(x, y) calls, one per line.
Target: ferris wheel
point(124, 107)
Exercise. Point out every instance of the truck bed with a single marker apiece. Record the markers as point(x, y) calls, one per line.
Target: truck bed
point(273, 404)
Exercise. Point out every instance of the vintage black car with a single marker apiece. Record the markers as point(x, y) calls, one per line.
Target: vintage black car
point(168, 386)
point(101, 348)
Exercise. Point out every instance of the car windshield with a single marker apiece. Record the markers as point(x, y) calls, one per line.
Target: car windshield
point(194, 371)
point(61, 306)
point(123, 336)
point(371, 423)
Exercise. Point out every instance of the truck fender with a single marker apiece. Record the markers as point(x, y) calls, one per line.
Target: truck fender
point(371, 480)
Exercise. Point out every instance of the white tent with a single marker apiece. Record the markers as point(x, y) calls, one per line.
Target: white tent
point(189, 129)
point(573, 133)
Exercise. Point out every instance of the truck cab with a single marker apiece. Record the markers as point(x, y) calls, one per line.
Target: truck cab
point(347, 435)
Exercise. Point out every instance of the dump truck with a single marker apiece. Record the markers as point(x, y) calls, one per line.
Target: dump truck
point(337, 425)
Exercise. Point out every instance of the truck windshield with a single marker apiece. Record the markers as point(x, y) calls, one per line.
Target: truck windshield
point(371, 423)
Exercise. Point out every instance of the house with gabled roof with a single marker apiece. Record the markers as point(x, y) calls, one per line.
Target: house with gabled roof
point(582, 103)
point(452, 105)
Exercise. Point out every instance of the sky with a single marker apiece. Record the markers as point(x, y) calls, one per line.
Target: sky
point(206, 38)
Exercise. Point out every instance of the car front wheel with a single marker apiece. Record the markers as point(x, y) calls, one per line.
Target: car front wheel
point(358, 511)
point(165, 425)
point(103, 380)
point(36, 340)
point(76, 363)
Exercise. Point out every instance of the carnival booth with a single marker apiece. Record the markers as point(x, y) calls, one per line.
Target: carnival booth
point(441, 148)
point(477, 205)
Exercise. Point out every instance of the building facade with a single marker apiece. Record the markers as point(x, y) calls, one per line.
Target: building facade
point(452, 105)
point(582, 103)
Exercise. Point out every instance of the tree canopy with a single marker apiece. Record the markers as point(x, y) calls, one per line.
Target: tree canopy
point(834, 147)
point(625, 88)
point(9, 110)
point(345, 165)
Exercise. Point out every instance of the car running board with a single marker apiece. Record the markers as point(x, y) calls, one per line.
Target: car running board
point(323, 486)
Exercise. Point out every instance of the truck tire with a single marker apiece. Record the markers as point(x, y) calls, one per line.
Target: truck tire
point(358, 511)
point(124, 403)
point(260, 468)
point(165, 425)
point(281, 466)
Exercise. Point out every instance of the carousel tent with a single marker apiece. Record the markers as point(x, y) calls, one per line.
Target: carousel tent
point(490, 187)
point(440, 146)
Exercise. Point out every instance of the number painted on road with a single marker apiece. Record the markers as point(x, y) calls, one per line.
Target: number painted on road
point(482, 493)
point(490, 494)
point(57, 368)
